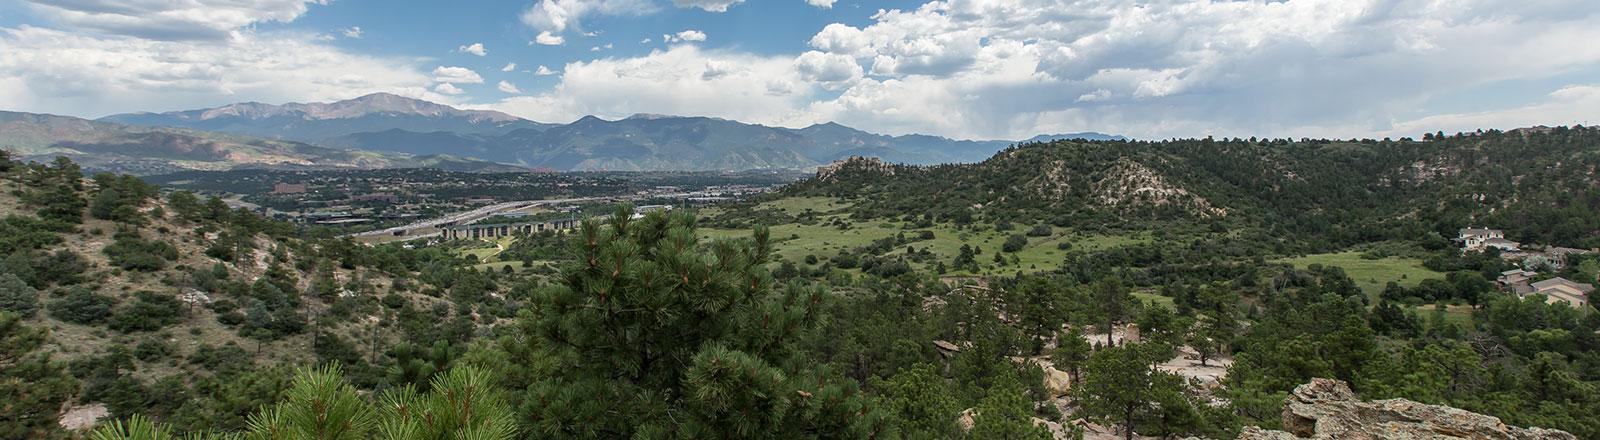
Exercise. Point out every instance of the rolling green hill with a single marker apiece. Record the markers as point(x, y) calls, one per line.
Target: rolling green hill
point(1537, 183)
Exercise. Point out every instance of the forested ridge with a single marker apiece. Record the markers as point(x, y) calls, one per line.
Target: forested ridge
point(187, 318)
point(1539, 184)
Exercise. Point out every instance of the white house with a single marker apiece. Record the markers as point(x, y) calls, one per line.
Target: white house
point(1478, 239)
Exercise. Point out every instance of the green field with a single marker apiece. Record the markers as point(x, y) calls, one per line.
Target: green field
point(799, 205)
point(1460, 315)
point(793, 241)
point(1148, 297)
point(486, 250)
point(1371, 275)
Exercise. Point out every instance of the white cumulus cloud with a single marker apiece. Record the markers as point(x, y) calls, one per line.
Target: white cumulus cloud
point(682, 80)
point(448, 89)
point(992, 68)
point(456, 75)
point(474, 48)
point(509, 67)
point(708, 5)
point(829, 68)
point(508, 87)
point(353, 32)
point(544, 71)
point(548, 39)
point(824, 4)
point(172, 20)
point(52, 71)
point(554, 17)
point(685, 36)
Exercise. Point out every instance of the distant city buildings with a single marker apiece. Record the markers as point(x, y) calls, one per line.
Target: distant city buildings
point(289, 188)
point(385, 197)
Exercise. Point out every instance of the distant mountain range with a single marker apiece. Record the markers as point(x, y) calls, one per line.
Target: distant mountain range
point(388, 123)
point(107, 146)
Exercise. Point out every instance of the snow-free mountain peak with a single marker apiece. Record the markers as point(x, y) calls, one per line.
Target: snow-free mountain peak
point(644, 141)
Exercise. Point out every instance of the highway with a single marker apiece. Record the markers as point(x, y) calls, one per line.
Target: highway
point(473, 215)
point(466, 217)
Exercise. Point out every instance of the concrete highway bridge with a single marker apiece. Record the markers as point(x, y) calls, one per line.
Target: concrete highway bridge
point(475, 231)
point(465, 219)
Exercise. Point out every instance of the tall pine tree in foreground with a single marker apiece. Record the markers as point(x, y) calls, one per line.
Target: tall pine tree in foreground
point(34, 385)
point(460, 405)
point(653, 333)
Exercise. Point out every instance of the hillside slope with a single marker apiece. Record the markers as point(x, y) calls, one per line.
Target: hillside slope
point(184, 308)
point(1536, 183)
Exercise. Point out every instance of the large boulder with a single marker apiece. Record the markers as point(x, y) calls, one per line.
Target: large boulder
point(1327, 409)
point(1057, 382)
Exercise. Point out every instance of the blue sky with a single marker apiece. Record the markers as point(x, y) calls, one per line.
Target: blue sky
point(958, 68)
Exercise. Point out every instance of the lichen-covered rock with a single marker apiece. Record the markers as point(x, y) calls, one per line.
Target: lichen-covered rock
point(1327, 409)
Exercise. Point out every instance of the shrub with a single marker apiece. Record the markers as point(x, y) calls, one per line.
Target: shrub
point(1040, 230)
point(82, 306)
point(41, 270)
point(132, 252)
point(20, 233)
point(1014, 243)
point(17, 296)
point(152, 349)
point(150, 311)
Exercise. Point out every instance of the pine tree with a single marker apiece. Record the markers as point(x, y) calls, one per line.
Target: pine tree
point(140, 428)
point(653, 334)
point(1006, 414)
point(1120, 386)
point(1072, 350)
point(1112, 299)
point(34, 386)
point(920, 401)
point(463, 404)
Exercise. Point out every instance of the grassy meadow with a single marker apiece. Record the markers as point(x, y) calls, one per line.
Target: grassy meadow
point(1371, 275)
point(794, 241)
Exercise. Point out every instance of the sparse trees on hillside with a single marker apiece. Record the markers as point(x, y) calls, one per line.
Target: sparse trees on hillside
point(119, 198)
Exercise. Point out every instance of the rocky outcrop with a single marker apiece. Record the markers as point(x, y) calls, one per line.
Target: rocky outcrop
point(83, 418)
point(1130, 185)
point(1058, 383)
point(1327, 409)
point(853, 164)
